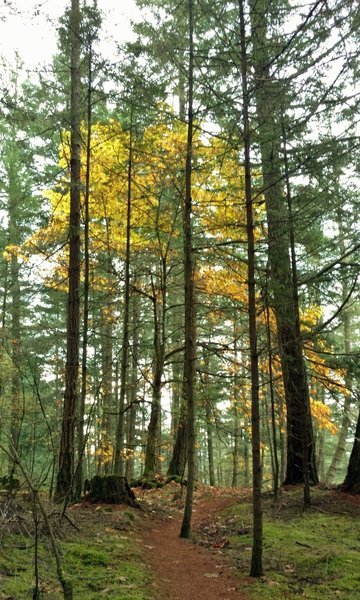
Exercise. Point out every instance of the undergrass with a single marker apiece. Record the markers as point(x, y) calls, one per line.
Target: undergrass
point(313, 555)
point(310, 555)
point(101, 559)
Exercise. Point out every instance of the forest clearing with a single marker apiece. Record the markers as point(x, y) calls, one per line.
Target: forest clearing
point(114, 551)
point(179, 299)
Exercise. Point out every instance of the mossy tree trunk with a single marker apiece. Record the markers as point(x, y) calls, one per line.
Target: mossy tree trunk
point(112, 489)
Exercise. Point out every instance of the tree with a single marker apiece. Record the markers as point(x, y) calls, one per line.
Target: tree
point(66, 454)
point(256, 559)
point(267, 89)
point(189, 287)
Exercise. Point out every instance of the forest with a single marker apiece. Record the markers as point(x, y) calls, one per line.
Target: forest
point(179, 274)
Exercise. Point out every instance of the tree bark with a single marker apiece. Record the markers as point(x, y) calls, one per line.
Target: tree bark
point(159, 310)
point(256, 569)
point(346, 323)
point(189, 286)
point(15, 303)
point(66, 457)
point(210, 445)
point(352, 479)
point(131, 429)
point(81, 440)
point(267, 92)
point(119, 439)
point(105, 455)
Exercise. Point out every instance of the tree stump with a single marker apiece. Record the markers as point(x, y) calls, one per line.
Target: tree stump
point(111, 489)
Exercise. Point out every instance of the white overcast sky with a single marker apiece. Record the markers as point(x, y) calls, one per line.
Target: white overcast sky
point(32, 29)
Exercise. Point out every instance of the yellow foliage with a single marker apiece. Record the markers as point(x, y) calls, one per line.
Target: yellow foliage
point(157, 188)
point(104, 453)
point(322, 413)
point(218, 281)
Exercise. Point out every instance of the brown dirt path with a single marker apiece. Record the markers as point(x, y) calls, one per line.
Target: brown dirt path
point(184, 571)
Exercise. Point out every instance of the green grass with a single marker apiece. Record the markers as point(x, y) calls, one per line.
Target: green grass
point(309, 555)
point(99, 560)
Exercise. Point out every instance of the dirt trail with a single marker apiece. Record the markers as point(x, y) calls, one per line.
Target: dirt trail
point(184, 571)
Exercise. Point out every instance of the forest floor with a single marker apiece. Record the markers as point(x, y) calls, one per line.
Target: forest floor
point(130, 554)
point(184, 570)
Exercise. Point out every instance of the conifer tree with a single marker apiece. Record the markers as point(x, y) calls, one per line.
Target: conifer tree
point(66, 454)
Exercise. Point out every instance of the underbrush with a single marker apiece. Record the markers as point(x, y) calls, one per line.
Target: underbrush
point(313, 554)
point(98, 549)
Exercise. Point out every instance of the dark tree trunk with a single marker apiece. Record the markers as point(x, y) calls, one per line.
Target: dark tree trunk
point(236, 446)
point(210, 444)
point(112, 489)
point(119, 439)
point(66, 456)
point(236, 409)
point(15, 295)
point(176, 397)
point(178, 458)
point(105, 455)
point(273, 436)
point(152, 433)
point(256, 558)
point(299, 425)
point(151, 452)
point(352, 480)
point(81, 440)
point(189, 285)
point(131, 429)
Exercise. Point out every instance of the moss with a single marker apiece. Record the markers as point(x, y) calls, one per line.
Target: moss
point(98, 560)
point(85, 555)
point(313, 555)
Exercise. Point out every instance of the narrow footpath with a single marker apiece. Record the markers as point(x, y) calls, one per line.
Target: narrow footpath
point(183, 570)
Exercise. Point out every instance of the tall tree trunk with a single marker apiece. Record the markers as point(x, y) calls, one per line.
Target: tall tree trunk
point(236, 409)
point(119, 438)
point(307, 436)
point(273, 434)
point(131, 429)
point(352, 479)
point(179, 454)
point(159, 311)
point(15, 302)
point(256, 558)
point(346, 323)
point(105, 454)
point(189, 285)
point(66, 457)
point(210, 445)
point(320, 440)
point(267, 92)
point(178, 408)
point(81, 441)
point(236, 445)
point(209, 421)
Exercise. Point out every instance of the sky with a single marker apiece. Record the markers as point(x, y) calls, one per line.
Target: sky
point(30, 27)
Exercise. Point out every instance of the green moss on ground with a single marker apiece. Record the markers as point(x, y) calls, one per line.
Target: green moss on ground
point(310, 555)
point(102, 559)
